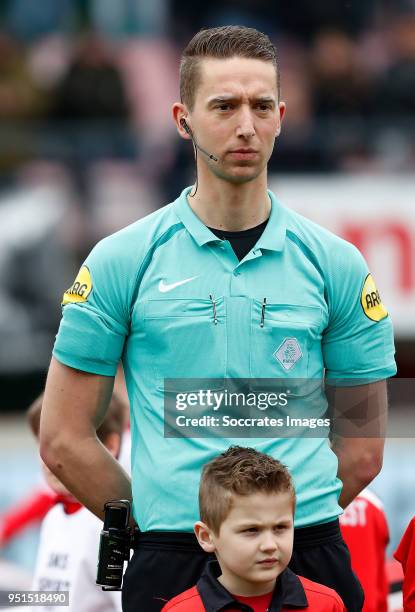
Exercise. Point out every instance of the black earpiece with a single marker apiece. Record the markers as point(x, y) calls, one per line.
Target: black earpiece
point(185, 126)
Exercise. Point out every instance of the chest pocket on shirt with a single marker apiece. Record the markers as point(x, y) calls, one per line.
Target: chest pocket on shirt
point(184, 340)
point(288, 342)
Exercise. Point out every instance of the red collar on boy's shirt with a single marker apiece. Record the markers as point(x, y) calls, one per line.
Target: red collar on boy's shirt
point(70, 504)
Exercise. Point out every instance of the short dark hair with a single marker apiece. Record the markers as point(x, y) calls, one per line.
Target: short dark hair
point(239, 471)
point(114, 420)
point(222, 43)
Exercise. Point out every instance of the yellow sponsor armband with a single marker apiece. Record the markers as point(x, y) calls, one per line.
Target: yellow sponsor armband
point(371, 302)
point(80, 289)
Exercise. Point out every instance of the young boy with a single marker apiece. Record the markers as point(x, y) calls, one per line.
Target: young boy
point(247, 503)
point(69, 538)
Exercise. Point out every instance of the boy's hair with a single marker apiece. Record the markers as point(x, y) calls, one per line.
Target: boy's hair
point(113, 422)
point(222, 43)
point(239, 471)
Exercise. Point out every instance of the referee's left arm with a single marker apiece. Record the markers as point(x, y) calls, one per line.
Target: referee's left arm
point(358, 352)
point(359, 417)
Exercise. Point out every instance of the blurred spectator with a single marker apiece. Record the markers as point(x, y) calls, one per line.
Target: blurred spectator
point(92, 87)
point(342, 98)
point(92, 111)
point(298, 148)
point(19, 99)
point(342, 87)
point(396, 89)
point(394, 142)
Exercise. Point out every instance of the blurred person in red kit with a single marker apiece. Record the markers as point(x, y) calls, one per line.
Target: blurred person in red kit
point(365, 531)
point(405, 554)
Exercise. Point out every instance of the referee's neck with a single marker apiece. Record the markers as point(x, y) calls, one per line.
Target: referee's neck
point(224, 205)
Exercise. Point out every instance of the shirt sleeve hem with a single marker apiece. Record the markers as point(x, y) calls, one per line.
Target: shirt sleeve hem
point(353, 378)
point(93, 367)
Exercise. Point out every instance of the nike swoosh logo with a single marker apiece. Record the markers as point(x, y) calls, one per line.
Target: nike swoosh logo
point(165, 288)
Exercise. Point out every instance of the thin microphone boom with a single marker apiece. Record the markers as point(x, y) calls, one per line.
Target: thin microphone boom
point(210, 156)
point(189, 131)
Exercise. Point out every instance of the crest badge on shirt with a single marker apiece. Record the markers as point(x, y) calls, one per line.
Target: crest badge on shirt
point(288, 353)
point(81, 288)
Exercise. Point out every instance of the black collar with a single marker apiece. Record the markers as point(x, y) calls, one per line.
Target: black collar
point(288, 592)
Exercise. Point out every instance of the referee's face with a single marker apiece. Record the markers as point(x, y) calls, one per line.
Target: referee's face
point(237, 115)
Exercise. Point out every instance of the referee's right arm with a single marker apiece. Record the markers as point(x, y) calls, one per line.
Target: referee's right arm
point(74, 405)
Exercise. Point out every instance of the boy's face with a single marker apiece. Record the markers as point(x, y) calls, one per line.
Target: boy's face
point(255, 542)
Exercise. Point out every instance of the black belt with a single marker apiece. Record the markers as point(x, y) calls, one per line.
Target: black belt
point(304, 537)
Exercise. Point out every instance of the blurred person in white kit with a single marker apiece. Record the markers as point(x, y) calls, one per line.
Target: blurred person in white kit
point(69, 537)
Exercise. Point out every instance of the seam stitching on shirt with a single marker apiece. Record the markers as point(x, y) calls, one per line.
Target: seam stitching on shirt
point(159, 241)
point(311, 258)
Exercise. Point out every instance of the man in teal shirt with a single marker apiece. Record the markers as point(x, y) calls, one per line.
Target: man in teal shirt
point(222, 283)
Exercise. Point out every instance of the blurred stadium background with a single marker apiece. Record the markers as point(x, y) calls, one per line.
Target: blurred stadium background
point(87, 145)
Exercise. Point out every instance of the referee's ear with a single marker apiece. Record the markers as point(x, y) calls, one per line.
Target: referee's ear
point(280, 114)
point(204, 537)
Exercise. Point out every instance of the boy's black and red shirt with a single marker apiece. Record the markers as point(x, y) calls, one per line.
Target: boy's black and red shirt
point(291, 592)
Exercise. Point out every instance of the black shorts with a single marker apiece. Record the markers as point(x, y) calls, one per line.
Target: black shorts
point(165, 564)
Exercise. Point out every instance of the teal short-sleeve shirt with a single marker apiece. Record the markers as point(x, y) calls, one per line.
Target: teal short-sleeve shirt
point(145, 294)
